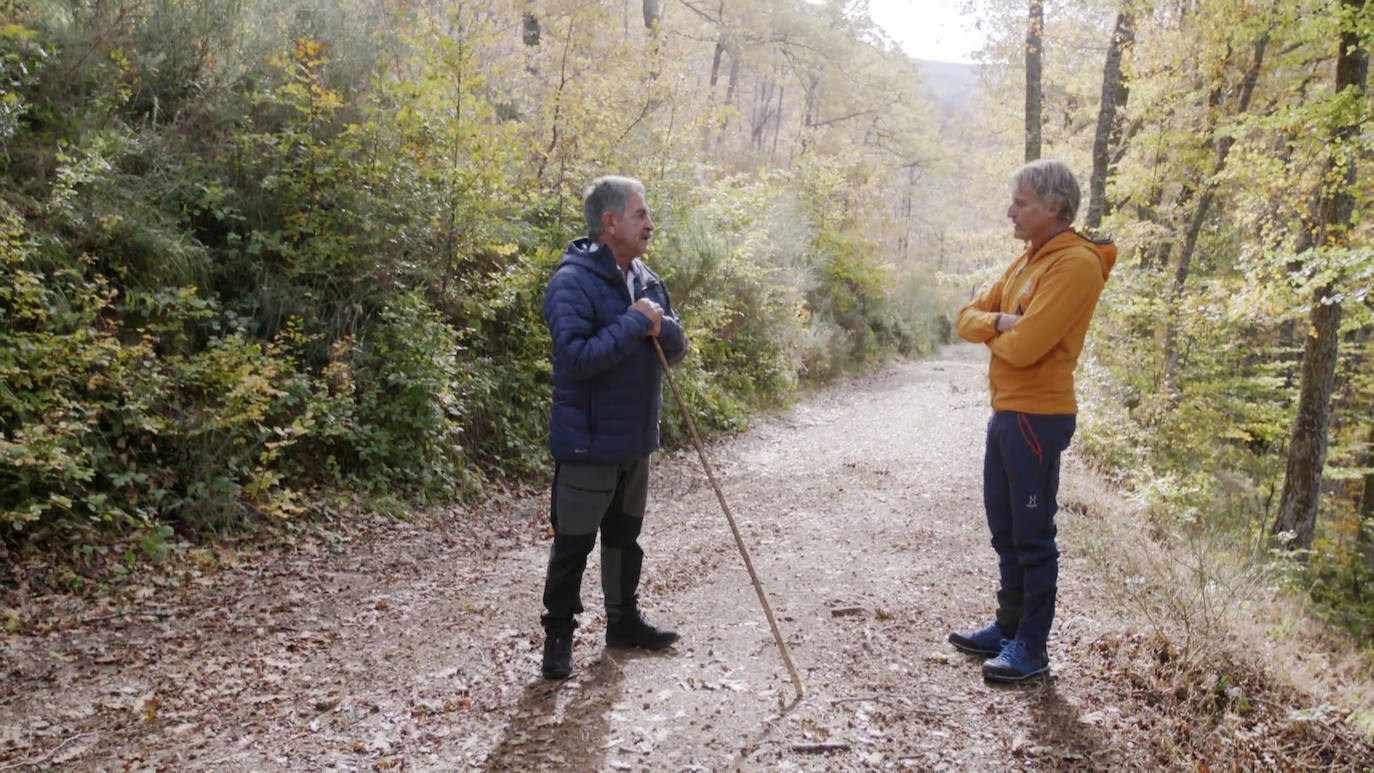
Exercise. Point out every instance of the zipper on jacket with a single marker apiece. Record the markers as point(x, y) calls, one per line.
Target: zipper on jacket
point(591, 416)
point(650, 420)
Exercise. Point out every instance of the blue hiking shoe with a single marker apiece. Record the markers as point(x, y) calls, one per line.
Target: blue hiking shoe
point(986, 643)
point(1015, 663)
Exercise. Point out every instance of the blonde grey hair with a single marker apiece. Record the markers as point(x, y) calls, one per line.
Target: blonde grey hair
point(1053, 183)
point(607, 194)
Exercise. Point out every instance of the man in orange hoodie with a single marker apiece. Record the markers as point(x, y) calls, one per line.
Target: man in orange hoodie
point(1033, 320)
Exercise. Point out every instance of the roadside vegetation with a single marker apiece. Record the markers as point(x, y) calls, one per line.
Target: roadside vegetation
point(270, 269)
point(264, 262)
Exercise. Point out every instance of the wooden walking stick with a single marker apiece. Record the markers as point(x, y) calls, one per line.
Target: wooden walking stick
point(739, 541)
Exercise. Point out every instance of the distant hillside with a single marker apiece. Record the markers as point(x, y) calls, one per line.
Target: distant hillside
point(954, 85)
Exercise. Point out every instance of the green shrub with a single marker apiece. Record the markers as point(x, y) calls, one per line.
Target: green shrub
point(289, 252)
point(107, 421)
point(408, 420)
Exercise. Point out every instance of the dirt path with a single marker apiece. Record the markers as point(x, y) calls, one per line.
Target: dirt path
point(417, 647)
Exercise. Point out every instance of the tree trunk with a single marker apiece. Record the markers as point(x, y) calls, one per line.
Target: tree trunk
point(1035, 29)
point(1114, 93)
point(1367, 497)
point(733, 82)
point(812, 110)
point(722, 42)
point(777, 122)
point(1366, 511)
point(908, 199)
point(758, 113)
point(733, 50)
point(531, 28)
point(651, 16)
point(1297, 516)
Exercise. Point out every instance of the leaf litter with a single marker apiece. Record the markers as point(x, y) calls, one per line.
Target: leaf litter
point(414, 645)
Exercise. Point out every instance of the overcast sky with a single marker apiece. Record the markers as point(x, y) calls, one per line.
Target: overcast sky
point(928, 29)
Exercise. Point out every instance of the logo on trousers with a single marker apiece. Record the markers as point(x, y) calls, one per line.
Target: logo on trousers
point(1031, 502)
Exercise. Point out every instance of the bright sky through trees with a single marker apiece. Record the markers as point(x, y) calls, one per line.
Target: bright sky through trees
point(928, 29)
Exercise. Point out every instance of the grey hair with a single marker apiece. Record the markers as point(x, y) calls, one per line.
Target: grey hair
point(607, 194)
point(1053, 183)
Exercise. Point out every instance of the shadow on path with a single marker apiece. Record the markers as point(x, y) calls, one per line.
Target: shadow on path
point(562, 724)
point(1060, 737)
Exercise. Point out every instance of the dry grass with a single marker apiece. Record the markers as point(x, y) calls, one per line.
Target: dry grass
point(1225, 670)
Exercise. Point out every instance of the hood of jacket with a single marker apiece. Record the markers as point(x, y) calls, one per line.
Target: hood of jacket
point(1105, 249)
point(597, 258)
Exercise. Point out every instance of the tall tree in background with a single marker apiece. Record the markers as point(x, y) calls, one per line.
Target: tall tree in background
point(1222, 145)
point(1366, 512)
point(1297, 516)
point(1114, 93)
point(529, 26)
point(1035, 31)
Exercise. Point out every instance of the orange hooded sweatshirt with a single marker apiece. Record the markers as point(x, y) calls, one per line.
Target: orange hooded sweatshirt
point(1055, 290)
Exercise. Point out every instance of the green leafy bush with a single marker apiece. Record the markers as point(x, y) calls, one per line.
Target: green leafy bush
point(259, 255)
point(408, 416)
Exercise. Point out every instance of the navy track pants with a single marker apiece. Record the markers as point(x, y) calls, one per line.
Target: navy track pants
point(1020, 486)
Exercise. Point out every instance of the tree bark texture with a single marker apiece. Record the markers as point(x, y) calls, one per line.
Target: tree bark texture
point(1114, 92)
point(1297, 516)
point(1035, 29)
point(1307, 447)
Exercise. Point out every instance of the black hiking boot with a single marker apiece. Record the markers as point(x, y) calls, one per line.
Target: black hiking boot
point(632, 630)
point(558, 646)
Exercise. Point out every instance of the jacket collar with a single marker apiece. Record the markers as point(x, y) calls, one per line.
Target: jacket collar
point(597, 258)
point(601, 260)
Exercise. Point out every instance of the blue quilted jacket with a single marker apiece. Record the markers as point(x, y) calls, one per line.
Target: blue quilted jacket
point(607, 380)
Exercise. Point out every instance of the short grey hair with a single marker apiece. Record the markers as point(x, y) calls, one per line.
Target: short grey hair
point(607, 194)
point(1053, 183)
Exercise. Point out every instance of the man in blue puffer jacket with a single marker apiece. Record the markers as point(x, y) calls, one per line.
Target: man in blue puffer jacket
point(603, 306)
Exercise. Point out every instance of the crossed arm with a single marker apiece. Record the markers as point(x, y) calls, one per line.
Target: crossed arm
point(1065, 292)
